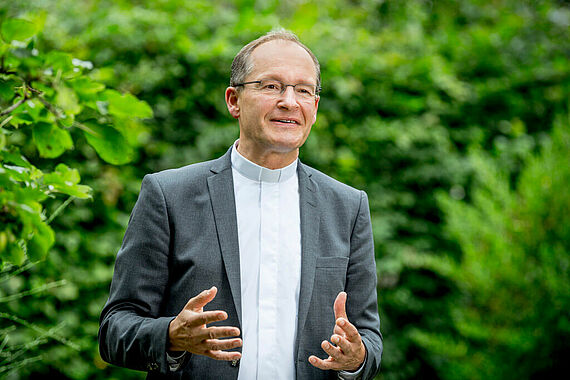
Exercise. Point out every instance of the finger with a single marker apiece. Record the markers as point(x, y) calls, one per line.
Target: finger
point(198, 302)
point(218, 332)
point(223, 355)
point(334, 352)
point(338, 330)
point(340, 306)
point(202, 318)
point(221, 344)
point(325, 364)
point(350, 331)
point(345, 346)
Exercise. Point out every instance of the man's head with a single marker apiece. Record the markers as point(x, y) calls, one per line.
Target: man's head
point(242, 65)
point(274, 95)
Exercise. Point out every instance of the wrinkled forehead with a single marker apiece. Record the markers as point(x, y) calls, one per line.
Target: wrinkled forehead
point(282, 59)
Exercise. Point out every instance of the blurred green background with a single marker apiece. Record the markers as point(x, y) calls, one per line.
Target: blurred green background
point(452, 115)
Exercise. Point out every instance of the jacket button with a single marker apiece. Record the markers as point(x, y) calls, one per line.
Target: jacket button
point(152, 366)
point(235, 362)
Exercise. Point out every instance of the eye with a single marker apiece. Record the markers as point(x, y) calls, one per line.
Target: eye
point(271, 86)
point(304, 90)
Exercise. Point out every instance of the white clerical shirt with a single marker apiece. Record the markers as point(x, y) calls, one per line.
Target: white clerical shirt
point(269, 234)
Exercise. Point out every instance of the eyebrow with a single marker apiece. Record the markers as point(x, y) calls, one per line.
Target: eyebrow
point(279, 80)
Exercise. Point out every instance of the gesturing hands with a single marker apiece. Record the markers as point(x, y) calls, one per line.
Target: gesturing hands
point(188, 331)
point(348, 352)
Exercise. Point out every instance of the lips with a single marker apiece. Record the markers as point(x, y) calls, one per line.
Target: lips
point(286, 120)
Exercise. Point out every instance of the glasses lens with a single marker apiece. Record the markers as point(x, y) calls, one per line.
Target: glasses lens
point(305, 90)
point(271, 87)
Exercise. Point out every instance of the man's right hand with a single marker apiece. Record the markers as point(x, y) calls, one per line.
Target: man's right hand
point(188, 331)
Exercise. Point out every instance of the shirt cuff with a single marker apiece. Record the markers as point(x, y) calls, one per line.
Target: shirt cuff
point(175, 361)
point(353, 375)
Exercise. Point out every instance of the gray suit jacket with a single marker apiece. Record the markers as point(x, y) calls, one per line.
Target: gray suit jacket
point(182, 238)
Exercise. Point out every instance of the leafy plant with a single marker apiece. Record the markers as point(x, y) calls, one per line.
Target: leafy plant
point(47, 103)
point(511, 310)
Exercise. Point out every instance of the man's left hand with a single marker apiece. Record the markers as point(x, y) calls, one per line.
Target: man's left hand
point(348, 352)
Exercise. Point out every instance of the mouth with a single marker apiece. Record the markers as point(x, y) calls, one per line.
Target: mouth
point(287, 121)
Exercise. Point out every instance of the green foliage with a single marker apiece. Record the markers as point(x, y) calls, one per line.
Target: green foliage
point(511, 312)
point(45, 99)
point(50, 95)
point(408, 88)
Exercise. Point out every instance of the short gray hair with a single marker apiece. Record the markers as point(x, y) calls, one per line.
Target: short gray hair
point(242, 65)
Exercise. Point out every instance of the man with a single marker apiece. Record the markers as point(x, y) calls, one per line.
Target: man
point(243, 267)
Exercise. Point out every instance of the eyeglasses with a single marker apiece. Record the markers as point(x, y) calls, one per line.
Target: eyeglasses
point(274, 88)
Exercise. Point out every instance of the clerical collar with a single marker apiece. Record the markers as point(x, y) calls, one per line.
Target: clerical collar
point(258, 173)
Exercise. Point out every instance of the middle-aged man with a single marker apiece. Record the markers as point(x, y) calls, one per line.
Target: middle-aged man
point(253, 265)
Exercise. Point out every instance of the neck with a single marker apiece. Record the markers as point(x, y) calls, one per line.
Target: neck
point(269, 159)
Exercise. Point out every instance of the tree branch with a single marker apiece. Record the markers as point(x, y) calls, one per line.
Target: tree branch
point(13, 106)
point(51, 108)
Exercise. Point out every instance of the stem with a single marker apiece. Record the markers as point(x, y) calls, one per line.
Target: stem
point(39, 289)
point(60, 209)
point(16, 272)
point(50, 107)
point(85, 128)
point(47, 333)
point(6, 121)
point(15, 366)
point(13, 106)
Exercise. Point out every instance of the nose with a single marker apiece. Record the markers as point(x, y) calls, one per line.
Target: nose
point(288, 98)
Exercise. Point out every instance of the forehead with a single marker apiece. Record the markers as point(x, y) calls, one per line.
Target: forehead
point(283, 60)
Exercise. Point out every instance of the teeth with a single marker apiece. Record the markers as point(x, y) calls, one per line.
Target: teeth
point(287, 121)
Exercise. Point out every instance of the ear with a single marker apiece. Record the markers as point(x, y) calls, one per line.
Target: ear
point(317, 98)
point(232, 102)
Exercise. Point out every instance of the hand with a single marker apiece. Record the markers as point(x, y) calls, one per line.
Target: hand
point(348, 352)
point(188, 331)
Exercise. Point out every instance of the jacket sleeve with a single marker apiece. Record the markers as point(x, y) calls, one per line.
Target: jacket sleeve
point(362, 303)
point(132, 333)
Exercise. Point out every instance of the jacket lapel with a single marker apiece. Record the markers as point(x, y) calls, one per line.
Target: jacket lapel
point(310, 219)
point(221, 188)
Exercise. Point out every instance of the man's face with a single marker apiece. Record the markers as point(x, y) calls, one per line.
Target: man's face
point(278, 124)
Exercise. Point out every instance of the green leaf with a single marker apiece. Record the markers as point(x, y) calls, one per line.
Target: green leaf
point(41, 242)
point(66, 180)
point(63, 173)
point(66, 98)
point(51, 140)
point(8, 89)
point(14, 157)
point(85, 86)
point(22, 118)
point(127, 105)
point(59, 61)
point(18, 30)
point(14, 254)
point(109, 143)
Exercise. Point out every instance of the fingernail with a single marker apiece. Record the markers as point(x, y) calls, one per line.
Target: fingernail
point(313, 360)
point(341, 322)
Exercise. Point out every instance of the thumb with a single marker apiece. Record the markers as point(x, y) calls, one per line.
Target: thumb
point(198, 302)
point(340, 306)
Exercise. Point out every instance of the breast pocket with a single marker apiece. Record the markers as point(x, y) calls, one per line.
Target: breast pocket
point(330, 277)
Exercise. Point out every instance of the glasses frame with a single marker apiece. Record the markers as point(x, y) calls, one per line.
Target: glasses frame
point(285, 85)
